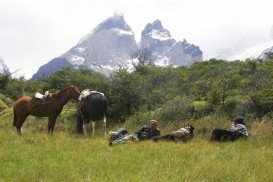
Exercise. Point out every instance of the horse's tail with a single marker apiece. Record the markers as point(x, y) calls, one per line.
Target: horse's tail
point(14, 118)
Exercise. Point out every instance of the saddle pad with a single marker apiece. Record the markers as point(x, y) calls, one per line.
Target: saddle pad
point(39, 96)
point(87, 92)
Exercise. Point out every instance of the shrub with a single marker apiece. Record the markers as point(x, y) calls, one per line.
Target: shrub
point(261, 102)
point(8, 102)
point(201, 108)
point(178, 108)
point(3, 106)
point(229, 108)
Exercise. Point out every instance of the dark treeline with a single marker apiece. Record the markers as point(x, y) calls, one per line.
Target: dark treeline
point(210, 87)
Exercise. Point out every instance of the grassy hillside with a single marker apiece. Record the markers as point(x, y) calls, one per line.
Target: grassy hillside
point(207, 95)
point(64, 156)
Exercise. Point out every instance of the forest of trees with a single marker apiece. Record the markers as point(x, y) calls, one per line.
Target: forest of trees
point(214, 87)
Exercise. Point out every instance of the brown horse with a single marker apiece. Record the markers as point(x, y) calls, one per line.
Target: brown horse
point(24, 107)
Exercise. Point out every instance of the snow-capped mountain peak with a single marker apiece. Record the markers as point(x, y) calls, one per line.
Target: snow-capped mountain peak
point(158, 46)
point(156, 25)
point(155, 30)
point(106, 48)
point(115, 22)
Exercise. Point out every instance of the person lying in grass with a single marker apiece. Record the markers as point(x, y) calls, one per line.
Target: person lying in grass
point(238, 130)
point(146, 132)
point(120, 133)
point(183, 134)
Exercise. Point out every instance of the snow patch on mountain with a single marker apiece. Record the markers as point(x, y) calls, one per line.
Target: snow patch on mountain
point(160, 35)
point(122, 32)
point(162, 61)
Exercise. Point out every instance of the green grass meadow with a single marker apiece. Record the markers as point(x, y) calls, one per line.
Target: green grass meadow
point(64, 156)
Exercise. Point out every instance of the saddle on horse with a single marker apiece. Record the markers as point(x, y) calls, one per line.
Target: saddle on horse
point(41, 99)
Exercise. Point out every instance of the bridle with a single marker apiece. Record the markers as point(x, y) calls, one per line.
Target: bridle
point(69, 95)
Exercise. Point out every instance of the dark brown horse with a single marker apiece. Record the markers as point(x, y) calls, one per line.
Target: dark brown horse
point(24, 107)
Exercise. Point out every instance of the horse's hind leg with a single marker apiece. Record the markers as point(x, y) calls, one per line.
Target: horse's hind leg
point(19, 123)
point(104, 122)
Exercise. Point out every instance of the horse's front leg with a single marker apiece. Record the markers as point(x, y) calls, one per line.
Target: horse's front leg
point(51, 124)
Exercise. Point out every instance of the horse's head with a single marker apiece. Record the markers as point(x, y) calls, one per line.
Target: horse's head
point(73, 92)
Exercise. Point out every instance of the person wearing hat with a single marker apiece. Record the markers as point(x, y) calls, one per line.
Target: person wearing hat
point(146, 132)
point(183, 134)
point(238, 130)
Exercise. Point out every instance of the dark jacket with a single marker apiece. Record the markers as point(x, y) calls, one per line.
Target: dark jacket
point(147, 133)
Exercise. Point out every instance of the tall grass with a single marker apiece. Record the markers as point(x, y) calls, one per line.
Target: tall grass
point(64, 156)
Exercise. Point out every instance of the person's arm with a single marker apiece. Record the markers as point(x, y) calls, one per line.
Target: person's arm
point(140, 131)
point(153, 132)
point(157, 132)
point(233, 128)
point(240, 130)
point(236, 128)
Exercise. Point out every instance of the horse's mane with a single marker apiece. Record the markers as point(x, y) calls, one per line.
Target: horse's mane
point(57, 93)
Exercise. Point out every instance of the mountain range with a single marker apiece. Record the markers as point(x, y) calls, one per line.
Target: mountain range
point(254, 52)
point(252, 46)
point(112, 45)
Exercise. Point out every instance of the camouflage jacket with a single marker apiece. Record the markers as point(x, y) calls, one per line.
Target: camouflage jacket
point(147, 133)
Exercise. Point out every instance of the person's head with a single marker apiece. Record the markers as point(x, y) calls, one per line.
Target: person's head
point(153, 123)
point(190, 128)
point(239, 120)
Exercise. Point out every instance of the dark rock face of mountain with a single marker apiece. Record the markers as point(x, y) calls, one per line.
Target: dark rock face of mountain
point(52, 66)
point(3, 67)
